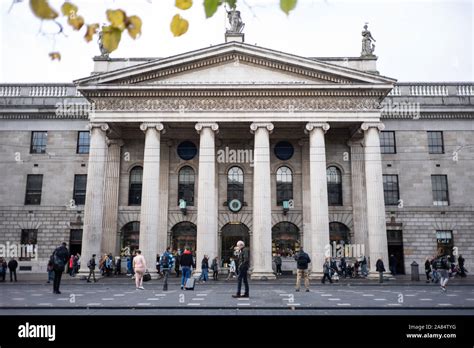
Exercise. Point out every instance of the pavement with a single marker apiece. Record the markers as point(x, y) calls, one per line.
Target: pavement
point(117, 295)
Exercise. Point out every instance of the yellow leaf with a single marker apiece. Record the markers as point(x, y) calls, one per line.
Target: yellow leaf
point(179, 25)
point(116, 18)
point(134, 26)
point(68, 9)
point(42, 10)
point(76, 22)
point(91, 30)
point(111, 38)
point(55, 56)
point(184, 4)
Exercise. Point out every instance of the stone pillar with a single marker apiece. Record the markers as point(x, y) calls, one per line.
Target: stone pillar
point(149, 213)
point(376, 227)
point(111, 195)
point(206, 243)
point(164, 190)
point(306, 196)
point(93, 210)
point(359, 201)
point(319, 195)
point(261, 246)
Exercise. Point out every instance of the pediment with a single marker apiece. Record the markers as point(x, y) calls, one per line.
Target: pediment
point(234, 63)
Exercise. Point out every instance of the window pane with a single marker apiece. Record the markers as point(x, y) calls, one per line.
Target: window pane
point(387, 142)
point(83, 142)
point(135, 189)
point(80, 185)
point(235, 184)
point(439, 185)
point(34, 184)
point(391, 190)
point(284, 185)
point(186, 185)
point(334, 183)
point(38, 142)
point(435, 142)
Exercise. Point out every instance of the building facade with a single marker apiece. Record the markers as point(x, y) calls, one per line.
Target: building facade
point(238, 142)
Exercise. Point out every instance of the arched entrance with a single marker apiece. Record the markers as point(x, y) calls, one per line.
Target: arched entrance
point(130, 236)
point(231, 234)
point(184, 235)
point(285, 239)
point(339, 233)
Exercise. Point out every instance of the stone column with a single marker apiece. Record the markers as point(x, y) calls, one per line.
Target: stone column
point(319, 195)
point(376, 227)
point(149, 213)
point(206, 243)
point(261, 246)
point(111, 195)
point(359, 201)
point(306, 195)
point(93, 210)
point(164, 191)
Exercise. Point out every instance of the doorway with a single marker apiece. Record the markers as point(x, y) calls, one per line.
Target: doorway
point(395, 248)
point(231, 234)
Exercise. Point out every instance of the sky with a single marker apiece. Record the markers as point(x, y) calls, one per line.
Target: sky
point(417, 40)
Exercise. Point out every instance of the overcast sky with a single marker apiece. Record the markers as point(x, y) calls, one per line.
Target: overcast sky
point(423, 40)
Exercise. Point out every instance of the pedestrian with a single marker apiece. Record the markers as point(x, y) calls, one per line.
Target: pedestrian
point(177, 264)
point(215, 268)
point(379, 267)
point(443, 265)
point(244, 264)
point(363, 265)
point(139, 266)
point(343, 266)
point(278, 262)
point(118, 265)
point(231, 269)
point(109, 262)
point(392, 265)
point(91, 265)
point(302, 262)
point(462, 270)
point(77, 263)
point(204, 269)
point(71, 265)
point(129, 265)
point(50, 270)
point(428, 269)
point(326, 270)
point(158, 266)
point(12, 266)
point(60, 257)
point(186, 263)
point(3, 268)
point(166, 263)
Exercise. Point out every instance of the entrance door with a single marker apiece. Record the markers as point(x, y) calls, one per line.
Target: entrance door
point(395, 248)
point(75, 241)
point(183, 235)
point(231, 234)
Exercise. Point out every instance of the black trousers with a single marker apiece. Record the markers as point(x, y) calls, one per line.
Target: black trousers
point(214, 275)
point(326, 275)
point(12, 274)
point(91, 273)
point(243, 277)
point(57, 279)
point(166, 273)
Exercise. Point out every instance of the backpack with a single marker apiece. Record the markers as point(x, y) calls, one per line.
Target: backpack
point(58, 261)
point(165, 261)
point(302, 261)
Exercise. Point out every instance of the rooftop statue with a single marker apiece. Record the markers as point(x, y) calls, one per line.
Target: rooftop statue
point(236, 24)
point(367, 46)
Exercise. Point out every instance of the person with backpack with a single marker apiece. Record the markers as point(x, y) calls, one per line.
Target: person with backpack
point(363, 265)
point(380, 267)
point(60, 257)
point(244, 264)
point(186, 262)
point(462, 270)
point(166, 264)
point(215, 268)
point(12, 266)
point(50, 270)
point(327, 270)
point(343, 265)
point(177, 264)
point(204, 269)
point(91, 265)
point(302, 261)
point(278, 262)
point(427, 269)
point(443, 265)
point(231, 269)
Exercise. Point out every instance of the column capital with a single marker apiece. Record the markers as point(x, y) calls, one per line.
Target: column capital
point(113, 141)
point(367, 125)
point(157, 125)
point(200, 125)
point(314, 125)
point(256, 125)
point(103, 126)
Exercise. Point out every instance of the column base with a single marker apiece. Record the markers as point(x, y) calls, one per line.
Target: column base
point(316, 275)
point(262, 275)
point(375, 276)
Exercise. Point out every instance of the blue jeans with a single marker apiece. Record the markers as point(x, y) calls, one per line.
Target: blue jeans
point(186, 274)
point(204, 275)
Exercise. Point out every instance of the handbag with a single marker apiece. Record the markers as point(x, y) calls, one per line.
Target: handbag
point(146, 277)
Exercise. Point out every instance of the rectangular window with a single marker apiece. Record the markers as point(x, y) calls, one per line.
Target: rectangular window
point(435, 142)
point(444, 239)
point(390, 189)
point(439, 185)
point(34, 185)
point(28, 243)
point(80, 184)
point(284, 192)
point(83, 142)
point(38, 142)
point(387, 142)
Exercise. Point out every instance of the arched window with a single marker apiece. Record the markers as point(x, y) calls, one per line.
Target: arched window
point(130, 236)
point(334, 179)
point(235, 184)
point(284, 185)
point(186, 185)
point(339, 233)
point(135, 188)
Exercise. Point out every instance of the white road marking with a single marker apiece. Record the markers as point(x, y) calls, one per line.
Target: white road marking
point(18, 299)
point(426, 299)
point(284, 294)
point(194, 304)
point(94, 304)
point(410, 295)
point(62, 299)
point(326, 295)
point(143, 304)
point(469, 299)
point(160, 294)
point(198, 299)
point(394, 304)
point(243, 299)
point(202, 294)
point(243, 304)
point(367, 295)
point(380, 299)
point(107, 299)
point(36, 294)
point(117, 295)
point(45, 304)
point(152, 299)
point(293, 304)
point(344, 304)
point(444, 304)
point(451, 295)
point(334, 299)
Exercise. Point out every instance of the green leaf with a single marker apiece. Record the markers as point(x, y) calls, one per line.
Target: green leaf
point(111, 38)
point(232, 3)
point(210, 7)
point(42, 10)
point(184, 4)
point(288, 5)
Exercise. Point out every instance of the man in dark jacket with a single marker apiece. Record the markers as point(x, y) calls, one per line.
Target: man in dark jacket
point(187, 262)
point(12, 266)
point(379, 267)
point(3, 268)
point(91, 266)
point(462, 270)
point(60, 257)
point(302, 260)
point(327, 271)
point(166, 263)
point(244, 264)
point(392, 263)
